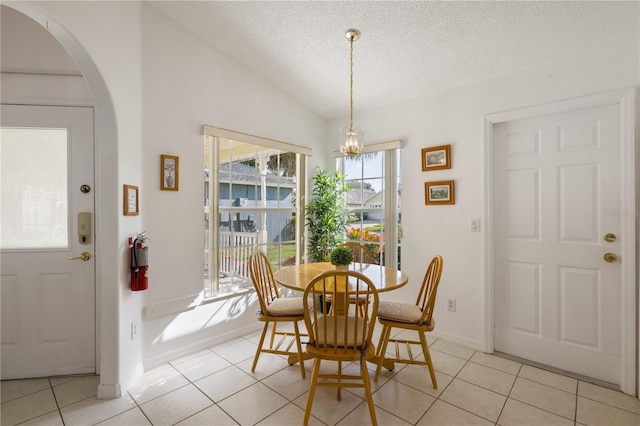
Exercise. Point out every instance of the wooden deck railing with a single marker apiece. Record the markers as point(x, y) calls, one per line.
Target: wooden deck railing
point(235, 250)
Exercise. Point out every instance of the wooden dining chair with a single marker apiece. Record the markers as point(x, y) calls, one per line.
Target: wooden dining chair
point(274, 310)
point(361, 254)
point(343, 336)
point(417, 317)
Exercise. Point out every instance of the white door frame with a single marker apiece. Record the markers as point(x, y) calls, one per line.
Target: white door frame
point(625, 99)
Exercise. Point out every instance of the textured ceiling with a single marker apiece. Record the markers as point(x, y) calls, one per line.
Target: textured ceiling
point(407, 49)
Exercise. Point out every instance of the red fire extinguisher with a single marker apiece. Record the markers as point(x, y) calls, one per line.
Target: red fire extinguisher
point(139, 253)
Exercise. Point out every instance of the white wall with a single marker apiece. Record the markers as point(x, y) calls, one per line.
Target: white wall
point(185, 83)
point(456, 117)
point(153, 86)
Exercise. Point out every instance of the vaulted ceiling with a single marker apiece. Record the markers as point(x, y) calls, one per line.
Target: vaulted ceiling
point(407, 49)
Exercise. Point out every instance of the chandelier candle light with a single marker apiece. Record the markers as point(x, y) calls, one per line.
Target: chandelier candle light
point(351, 139)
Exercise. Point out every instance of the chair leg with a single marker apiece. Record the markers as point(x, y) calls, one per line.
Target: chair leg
point(255, 358)
point(339, 376)
point(367, 391)
point(273, 335)
point(312, 389)
point(427, 357)
point(299, 344)
point(382, 349)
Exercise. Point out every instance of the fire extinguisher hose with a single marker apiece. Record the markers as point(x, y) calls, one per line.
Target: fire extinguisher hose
point(135, 267)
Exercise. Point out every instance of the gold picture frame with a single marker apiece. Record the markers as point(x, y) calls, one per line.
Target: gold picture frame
point(439, 192)
point(130, 200)
point(436, 158)
point(169, 172)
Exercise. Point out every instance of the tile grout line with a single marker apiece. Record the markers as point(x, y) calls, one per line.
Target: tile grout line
point(575, 414)
point(466, 362)
point(509, 394)
point(56, 400)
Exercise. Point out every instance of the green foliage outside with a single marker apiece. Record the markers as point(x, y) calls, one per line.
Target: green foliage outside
point(278, 164)
point(279, 255)
point(326, 214)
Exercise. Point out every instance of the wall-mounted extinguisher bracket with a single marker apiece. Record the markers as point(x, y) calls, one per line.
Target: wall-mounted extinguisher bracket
point(139, 257)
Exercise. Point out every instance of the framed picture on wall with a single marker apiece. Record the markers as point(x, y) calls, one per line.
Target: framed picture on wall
point(131, 206)
point(440, 192)
point(436, 158)
point(169, 173)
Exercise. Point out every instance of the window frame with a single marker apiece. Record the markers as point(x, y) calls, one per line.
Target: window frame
point(392, 212)
point(212, 137)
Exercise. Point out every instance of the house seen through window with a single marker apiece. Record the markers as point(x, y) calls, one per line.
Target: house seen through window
point(250, 202)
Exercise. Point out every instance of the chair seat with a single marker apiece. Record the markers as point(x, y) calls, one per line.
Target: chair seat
point(355, 333)
point(400, 312)
point(342, 354)
point(286, 306)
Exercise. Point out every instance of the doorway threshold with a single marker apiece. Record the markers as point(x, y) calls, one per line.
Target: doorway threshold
point(558, 371)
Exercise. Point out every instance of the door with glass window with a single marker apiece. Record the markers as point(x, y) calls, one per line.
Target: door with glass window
point(47, 241)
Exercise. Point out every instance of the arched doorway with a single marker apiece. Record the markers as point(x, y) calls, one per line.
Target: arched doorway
point(107, 296)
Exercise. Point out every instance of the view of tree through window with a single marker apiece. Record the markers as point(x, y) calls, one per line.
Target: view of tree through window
point(250, 203)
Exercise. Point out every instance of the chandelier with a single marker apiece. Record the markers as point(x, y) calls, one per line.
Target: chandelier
point(351, 138)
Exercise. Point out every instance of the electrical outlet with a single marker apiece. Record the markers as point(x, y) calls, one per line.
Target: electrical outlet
point(451, 305)
point(134, 330)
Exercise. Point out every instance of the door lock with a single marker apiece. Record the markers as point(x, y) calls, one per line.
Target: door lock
point(610, 238)
point(84, 256)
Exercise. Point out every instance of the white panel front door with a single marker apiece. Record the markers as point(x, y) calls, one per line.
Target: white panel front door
point(557, 194)
point(48, 301)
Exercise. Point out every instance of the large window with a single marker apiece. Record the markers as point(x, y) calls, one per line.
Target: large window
point(250, 202)
point(373, 200)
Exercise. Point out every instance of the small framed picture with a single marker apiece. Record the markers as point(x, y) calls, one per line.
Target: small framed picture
point(131, 206)
point(169, 176)
point(436, 158)
point(441, 192)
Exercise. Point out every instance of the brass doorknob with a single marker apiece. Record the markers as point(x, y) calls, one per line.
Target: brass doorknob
point(610, 257)
point(84, 256)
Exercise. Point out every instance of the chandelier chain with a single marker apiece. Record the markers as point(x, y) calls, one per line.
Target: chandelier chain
point(351, 87)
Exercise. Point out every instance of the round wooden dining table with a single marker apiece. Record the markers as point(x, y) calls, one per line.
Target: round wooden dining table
point(297, 277)
point(384, 278)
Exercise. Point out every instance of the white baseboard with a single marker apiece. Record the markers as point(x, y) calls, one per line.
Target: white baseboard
point(171, 355)
point(458, 340)
point(109, 391)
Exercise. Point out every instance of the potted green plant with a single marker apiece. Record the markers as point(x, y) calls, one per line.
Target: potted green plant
point(341, 257)
point(326, 214)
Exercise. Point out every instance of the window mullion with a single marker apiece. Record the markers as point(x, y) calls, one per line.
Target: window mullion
point(391, 209)
point(214, 215)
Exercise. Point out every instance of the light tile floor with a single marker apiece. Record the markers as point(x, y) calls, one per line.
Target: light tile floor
point(216, 387)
